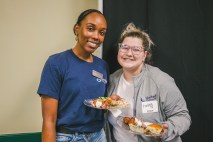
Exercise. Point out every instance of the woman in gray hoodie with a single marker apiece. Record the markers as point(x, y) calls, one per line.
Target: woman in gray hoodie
point(152, 94)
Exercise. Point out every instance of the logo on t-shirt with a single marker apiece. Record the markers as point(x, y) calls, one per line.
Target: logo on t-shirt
point(102, 80)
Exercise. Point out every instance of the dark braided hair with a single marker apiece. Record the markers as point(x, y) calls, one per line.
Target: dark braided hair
point(84, 14)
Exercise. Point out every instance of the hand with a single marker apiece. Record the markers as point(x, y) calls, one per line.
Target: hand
point(115, 97)
point(165, 130)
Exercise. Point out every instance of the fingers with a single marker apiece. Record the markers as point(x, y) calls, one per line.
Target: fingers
point(165, 126)
point(115, 97)
point(164, 131)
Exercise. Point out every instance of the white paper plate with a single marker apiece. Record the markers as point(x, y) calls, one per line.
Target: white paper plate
point(121, 123)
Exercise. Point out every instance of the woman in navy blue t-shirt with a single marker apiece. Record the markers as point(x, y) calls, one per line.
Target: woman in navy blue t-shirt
point(69, 78)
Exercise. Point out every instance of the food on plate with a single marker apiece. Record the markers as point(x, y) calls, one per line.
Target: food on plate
point(154, 129)
point(135, 124)
point(139, 126)
point(107, 103)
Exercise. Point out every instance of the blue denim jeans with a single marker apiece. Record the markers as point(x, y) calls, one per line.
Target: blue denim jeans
point(91, 137)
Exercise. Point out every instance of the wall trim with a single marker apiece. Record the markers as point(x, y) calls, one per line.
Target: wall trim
point(21, 137)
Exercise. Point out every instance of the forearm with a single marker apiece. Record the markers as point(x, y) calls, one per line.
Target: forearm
point(49, 113)
point(176, 113)
point(178, 125)
point(48, 132)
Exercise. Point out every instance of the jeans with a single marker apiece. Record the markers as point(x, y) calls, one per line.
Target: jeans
point(91, 137)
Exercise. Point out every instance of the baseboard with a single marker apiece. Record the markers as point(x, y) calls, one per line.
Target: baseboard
point(22, 137)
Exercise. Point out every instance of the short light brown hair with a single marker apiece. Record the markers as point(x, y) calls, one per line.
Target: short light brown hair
point(132, 31)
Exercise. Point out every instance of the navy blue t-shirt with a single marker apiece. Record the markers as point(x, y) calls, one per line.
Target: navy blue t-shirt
point(69, 79)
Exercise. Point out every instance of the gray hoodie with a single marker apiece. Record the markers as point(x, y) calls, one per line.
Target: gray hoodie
point(154, 88)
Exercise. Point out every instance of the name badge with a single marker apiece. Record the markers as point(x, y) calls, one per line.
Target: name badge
point(149, 106)
point(97, 74)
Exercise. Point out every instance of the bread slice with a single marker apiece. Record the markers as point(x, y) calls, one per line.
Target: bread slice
point(154, 129)
point(137, 129)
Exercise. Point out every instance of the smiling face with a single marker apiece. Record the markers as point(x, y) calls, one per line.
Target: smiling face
point(90, 32)
point(129, 61)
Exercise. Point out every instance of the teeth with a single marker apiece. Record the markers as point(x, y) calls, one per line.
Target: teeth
point(92, 44)
point(128, 60)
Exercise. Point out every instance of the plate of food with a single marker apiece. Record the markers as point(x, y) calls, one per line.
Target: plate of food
point(138, 126)
point(106, 103)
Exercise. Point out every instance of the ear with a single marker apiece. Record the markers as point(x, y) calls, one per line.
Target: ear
point(145, 55)
point(76, 29)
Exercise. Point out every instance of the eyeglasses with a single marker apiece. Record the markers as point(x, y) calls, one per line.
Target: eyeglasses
point(125, 48)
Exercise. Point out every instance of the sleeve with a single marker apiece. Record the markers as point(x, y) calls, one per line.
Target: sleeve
point(50, 83)
point(175, 111)
point(107, 85)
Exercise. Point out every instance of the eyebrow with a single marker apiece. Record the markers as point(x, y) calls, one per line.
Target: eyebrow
point(132, 45)
point(88, 24)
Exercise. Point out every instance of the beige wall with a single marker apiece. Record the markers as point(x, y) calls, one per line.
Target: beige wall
point(30, 31)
